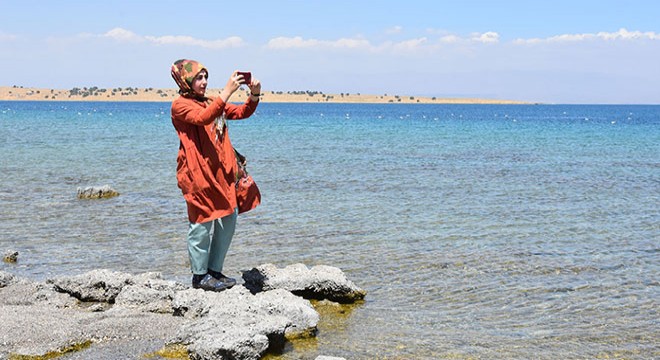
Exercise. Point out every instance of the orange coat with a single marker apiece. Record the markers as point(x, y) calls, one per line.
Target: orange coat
point(206, 167)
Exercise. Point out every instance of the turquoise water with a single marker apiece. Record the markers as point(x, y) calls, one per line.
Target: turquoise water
point(479, 231)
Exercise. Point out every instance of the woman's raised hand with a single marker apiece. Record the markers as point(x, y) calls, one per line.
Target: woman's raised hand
point(255, 87)
point(232, 85)
point(234, 82)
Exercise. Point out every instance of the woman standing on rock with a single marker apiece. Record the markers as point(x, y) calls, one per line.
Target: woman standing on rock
point(206, 167)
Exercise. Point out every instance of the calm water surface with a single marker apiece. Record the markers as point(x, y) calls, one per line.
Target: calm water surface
point(478, 231)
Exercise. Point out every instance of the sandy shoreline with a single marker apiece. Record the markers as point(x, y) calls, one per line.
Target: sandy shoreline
point(168, 94)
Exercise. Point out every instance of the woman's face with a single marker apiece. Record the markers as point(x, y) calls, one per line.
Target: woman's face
point(199, 83)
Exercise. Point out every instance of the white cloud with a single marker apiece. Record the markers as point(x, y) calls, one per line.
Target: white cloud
point(7, 37)
point(446, 37)
point(280, 43)
point(120, 34)
point(291, 43)
point(351, 43)
point(362, 44)
point(359, 43)
point(394, 30)
point(622, 34)
point(230, 42)
point(411, 44)
point(487, 37)
point(284, 43)
point(450, 39)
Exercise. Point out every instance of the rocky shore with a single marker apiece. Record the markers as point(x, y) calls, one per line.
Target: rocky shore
point(105, 314)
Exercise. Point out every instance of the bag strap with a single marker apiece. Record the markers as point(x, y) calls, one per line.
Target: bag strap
point(242, 160)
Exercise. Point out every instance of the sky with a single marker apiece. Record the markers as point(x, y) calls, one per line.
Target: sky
point(559, 51)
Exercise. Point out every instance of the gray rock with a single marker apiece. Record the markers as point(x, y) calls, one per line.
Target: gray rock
point(320, 282)
point(139, 309)
point(37, 320)
point(24, 293)
point(95, 192)
point(244, 337)
point(298, 311)
point(323, 357)
point(148, 292)
point(10, 256)
point(6, 279)
point(46, 295)
point(35, 330)
point(154, 280)
point(96, 285)
point(145, 299)
point(193, 303)
point(235, 324)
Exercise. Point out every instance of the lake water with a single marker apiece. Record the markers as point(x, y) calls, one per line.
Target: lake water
point(479, 231)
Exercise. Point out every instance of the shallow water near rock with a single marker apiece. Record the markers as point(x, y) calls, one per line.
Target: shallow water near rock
point(478, 231)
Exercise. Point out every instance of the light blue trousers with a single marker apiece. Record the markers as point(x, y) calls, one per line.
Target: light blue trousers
point(209, 242)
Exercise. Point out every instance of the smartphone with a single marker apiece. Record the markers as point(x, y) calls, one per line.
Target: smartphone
point(247, 76)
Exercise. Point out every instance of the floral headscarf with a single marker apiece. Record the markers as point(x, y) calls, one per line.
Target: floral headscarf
point(183, 72)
